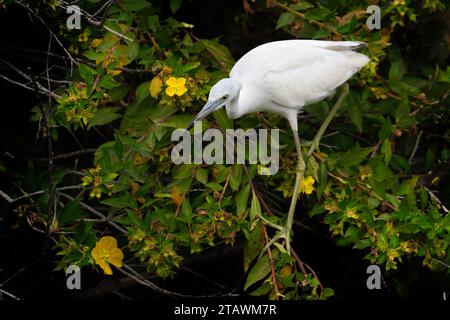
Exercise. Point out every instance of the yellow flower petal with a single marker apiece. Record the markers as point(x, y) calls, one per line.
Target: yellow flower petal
point(107, 243)
point(116, 257)
point(96, 42)
point(172, 82)
point(179, 92)
point(96, 255)
point(114, 72)
point(181, 82)
point(155, 86)
point(170, 91)
point(306, 185)
point(106, 268)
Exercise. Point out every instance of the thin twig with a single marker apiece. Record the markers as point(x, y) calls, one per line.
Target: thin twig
point(28, 78)
point(435, 198)
point(130, 272)
point(48, 28)
point(9, 294)
point(300, 263)
point(11, 200)
point(416, 146)
point(272, 264)
point(17, 272)
point(69, 155)
point(97, 213)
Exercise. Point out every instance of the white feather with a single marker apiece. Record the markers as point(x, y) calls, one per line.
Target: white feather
point(294, 73)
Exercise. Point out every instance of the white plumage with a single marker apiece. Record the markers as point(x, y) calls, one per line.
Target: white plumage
point(282, 77)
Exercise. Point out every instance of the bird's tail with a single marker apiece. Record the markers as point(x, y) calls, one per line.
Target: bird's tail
point(347, 45)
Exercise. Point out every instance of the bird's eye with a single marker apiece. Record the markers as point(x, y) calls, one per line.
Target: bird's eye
point(225, 97)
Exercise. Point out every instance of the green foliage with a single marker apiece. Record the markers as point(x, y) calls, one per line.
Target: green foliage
point(368, 185)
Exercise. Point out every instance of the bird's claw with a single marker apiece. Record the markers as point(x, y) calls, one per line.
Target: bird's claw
point(283, 233)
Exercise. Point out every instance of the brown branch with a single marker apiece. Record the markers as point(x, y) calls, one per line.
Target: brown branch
point(68, 155)
point(272, 265)
point(51, 205)
point(302, 266)
point(40, 87)
point(300, 263)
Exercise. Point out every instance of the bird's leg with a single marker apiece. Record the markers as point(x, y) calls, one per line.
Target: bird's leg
point(301, 166)
point(315, 142)
point(285, 232)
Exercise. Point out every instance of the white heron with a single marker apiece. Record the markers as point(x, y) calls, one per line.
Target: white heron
point(282, 77)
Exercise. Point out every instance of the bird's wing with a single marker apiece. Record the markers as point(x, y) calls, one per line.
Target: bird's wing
point(295, 73)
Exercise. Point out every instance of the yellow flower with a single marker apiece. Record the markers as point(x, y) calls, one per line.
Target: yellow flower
point(96, 42)
point(86, 181)
point(176, 86)
point(351, 213)
point(306, 185)
point(106, 252)
point(155, 86)
point(96, 192)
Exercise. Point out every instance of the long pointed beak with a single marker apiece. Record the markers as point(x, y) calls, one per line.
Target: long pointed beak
point(209, 107)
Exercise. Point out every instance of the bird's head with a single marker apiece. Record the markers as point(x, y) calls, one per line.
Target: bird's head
point(220, 95)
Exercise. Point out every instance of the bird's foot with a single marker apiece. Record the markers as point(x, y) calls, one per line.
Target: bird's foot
point(283, 233)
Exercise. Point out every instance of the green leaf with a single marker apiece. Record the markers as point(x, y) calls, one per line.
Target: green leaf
point(259, 271)
point(83, 231)
point(186, 210)
point(87, 73)
point(242, 199)
point(214, 186)
point(123, 200)
point(396, 71)
point(409, 228)
point(222, 119)
point(142, 91)
point(153, 23)
point(326, 293)
point(386, 150)
point(118, 93)
point(253, 246)
point(319, 14)
point(301, 5)
point(104, 116)
point(219, 52)
point(262, 290)
point(180, 121)
point(175, 5)
point(355, 111)
point(255, 208)
point(362, 244)
point(202, 175)
point(321, 34)
point(406, 122)
point(386, 130)
point(71, 212)
point(285, 19)
point(354, 157)
point(402, 109)
point(135, 5)
point(182, 171)
point(236, 176)
point(349, 27)
point(131, 51)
